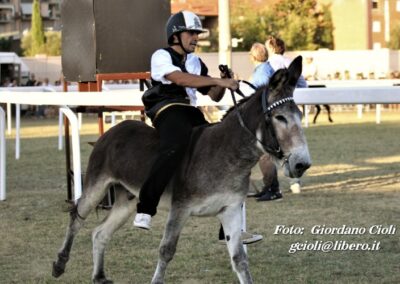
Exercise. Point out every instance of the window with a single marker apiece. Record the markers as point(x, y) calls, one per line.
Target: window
point(398, 5)
point(6, 13)
point(376, 26)
point(375, 4)
point(377, 45)
point(54, 11)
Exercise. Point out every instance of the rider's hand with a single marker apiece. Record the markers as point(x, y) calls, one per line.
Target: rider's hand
point(231, 74)
point(231, 84)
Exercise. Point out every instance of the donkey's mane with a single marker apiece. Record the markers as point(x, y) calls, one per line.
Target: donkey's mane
point(239, 103)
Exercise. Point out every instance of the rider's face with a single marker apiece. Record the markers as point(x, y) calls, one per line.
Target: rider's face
point(189, 40)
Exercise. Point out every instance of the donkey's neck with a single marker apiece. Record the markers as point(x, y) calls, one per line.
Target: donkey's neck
point(238, 144)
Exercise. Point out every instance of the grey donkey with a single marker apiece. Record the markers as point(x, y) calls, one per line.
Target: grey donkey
point(213, 179)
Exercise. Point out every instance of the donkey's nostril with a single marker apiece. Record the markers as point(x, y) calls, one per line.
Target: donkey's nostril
point(302, 166)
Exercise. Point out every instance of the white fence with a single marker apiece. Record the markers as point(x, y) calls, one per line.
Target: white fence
point(132, 97)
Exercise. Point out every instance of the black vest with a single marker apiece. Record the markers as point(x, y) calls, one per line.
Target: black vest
point(161, 95)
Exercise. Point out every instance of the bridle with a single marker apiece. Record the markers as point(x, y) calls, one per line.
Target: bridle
point(267, 109)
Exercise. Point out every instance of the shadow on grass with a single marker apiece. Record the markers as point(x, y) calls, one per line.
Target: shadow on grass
point(345, 157)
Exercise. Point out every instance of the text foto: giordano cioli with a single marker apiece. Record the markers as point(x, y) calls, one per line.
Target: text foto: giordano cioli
point(340, 230)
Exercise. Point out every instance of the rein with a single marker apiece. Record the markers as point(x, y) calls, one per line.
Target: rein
point(277, 152)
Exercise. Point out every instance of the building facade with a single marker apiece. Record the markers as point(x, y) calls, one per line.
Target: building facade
point(15, 17)
point(358, 24)
point(363, 24)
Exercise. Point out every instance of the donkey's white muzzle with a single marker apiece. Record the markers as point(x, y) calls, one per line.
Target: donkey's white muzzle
point(297, 162)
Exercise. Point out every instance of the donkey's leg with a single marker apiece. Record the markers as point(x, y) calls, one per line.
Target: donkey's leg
point(90, 199)
point(122, 209)
point(231, 220)
point(176, 220)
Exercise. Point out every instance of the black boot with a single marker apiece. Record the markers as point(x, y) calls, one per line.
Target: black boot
point(270, 195)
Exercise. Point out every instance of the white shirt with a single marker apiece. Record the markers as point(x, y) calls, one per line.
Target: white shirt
point(279, 61)
point(161, 66)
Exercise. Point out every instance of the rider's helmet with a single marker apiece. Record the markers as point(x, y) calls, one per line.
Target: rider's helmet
point(181, 22)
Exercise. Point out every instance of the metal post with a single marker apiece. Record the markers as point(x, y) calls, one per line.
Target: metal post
point(378, 114)
point(359, 111)
point(80, 120)
point(76, 152)
point(60, 129)
point(225, 45)
point(306, 110)
point(9, 118)
point(17, 130)
point(2, 155)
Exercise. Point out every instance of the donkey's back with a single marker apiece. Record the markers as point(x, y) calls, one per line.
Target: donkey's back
point(124, 154)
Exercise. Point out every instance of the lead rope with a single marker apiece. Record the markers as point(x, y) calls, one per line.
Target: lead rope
point(275, 152)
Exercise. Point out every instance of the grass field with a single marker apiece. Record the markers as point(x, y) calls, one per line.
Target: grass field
point(354, 181)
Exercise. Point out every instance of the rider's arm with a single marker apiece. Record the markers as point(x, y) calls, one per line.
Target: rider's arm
point(197, 81)
point(217, 85)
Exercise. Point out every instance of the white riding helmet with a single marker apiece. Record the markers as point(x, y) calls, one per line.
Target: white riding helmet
point(181, 22)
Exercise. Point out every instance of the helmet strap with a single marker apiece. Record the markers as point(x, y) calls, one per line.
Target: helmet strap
point(181, 45)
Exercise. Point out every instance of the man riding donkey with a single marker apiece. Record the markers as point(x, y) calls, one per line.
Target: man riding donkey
point(171, 105)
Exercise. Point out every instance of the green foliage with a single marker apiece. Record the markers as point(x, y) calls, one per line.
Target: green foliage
point(5, 44)
point(36, 41)
point(53, 43)
point(395, 37)
point(303, 25)
point(252, 26)
point(36, 45)
point(324, 32)
point(51, 47)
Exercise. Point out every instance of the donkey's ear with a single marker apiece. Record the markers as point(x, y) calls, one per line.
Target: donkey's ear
point(277, 79)
point(295, 69)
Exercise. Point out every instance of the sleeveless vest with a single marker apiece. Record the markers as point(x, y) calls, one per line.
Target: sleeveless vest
point(160, 95)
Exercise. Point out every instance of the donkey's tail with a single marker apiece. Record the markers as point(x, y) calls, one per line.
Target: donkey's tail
point(78, 213)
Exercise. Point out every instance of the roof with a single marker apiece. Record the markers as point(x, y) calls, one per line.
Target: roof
point(13, 58)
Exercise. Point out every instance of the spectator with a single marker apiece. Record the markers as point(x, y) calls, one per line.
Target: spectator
point(310, 71)
point(31, 81)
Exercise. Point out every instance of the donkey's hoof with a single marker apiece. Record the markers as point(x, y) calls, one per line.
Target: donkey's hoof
point(102, 281)
point(58, 269)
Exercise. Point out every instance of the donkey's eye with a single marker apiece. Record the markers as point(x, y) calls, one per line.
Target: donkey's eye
point(281, 118)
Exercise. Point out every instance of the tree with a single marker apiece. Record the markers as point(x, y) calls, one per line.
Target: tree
point(252, 26)
point(323, 35)
point(5, 44)
point(53, 43)
point(302, 24)
point(394, 42)
point(52, 46)
point(37, 41)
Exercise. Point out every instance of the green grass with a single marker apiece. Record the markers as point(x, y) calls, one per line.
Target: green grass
point(354, 181)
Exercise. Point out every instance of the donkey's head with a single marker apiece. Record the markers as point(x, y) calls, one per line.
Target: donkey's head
point(283, 121)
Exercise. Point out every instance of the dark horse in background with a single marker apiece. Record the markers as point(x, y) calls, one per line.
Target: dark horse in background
point(328, 109)
point(213, 179)
point(318, 107)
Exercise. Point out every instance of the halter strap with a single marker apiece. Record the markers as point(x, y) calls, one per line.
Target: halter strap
point(277, 152)
point(268, 108)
